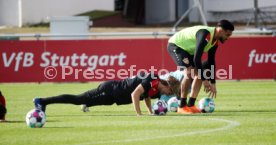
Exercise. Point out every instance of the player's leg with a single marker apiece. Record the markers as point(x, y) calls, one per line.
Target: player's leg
point(196, 86)
point(99, 96)
point(184, 60)
point(185, 86)
point(41, 103)
point(185, 83)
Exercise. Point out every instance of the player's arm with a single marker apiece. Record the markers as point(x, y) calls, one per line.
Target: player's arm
point(148, 104)
point(211, 62)
point(135, 96)
point(202, 38)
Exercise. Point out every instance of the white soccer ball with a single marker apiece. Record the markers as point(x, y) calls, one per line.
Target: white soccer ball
point(35, 118)
point(206, 105)
point(159, 107)
point(172, 104)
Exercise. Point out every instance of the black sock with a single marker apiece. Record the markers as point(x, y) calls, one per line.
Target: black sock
point(191, 102)
point(183, 102)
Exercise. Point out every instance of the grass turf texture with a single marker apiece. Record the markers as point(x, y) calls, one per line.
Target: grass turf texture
point(250, 103)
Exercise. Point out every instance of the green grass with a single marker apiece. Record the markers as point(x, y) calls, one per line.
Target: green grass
point(248, 104)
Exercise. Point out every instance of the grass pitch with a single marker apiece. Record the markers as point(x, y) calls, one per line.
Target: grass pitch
point(245, 115)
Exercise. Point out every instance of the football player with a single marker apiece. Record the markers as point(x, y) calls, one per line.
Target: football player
point(127, 91)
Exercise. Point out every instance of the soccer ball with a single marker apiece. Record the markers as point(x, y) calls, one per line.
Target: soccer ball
point(173, 104)
point(159, 107)
point(35, 118)
point(206, 105)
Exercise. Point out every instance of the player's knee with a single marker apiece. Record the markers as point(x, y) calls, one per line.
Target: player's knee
point(188, 73)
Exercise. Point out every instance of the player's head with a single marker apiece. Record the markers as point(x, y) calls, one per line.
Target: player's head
point(224, 30)
point(171, 86)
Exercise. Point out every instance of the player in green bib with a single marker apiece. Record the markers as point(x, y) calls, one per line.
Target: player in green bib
point(186, 47)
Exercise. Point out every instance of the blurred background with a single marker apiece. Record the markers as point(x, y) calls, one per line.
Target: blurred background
point(133, 13)
point(131, 30)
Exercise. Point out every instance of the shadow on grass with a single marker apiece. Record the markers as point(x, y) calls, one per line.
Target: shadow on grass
point(56, 127)
point(85, 115)
point(97, 113)
point(13, 121)
point(249, 111)
point(131, 114)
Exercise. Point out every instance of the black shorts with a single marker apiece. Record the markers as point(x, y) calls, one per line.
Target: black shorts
point(103, 95)
point(108, 93)
point(181, 57)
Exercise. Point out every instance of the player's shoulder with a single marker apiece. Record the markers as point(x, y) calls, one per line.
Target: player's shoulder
point(203, 32)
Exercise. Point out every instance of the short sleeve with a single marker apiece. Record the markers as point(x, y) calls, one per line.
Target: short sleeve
point(150, 81)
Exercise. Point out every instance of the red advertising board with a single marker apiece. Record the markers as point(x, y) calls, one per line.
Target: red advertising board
point(98, 60)
point(251, 58)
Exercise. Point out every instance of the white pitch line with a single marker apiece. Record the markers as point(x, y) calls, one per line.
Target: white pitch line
point(231, 124)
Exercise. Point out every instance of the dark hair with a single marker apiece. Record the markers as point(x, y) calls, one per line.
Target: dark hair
point(3, 111)
point(226, 25)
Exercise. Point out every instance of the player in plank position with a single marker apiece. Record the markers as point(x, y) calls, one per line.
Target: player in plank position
point(127, 91)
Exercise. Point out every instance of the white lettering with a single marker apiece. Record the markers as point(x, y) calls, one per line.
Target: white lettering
point(273, 58)
point(92, 61)
point(77, 73)
point(113, 59)
point(74, 59)
point(64, 73)
point(99, 74)
point(267, 56)
point(64, 61)
point(221, 74)
point(230, 72)
point(83, 58)
point(122, 56)
point(45, 60)
point(88, 74)
point(209, 73)
point(103, 61)
point(54, 59)
point(18, 59)
point(7, 62)
point(251, 55)
point(28, 60)
point(261, 58)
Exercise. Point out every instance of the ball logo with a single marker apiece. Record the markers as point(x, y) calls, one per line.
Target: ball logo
point(186, 61)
